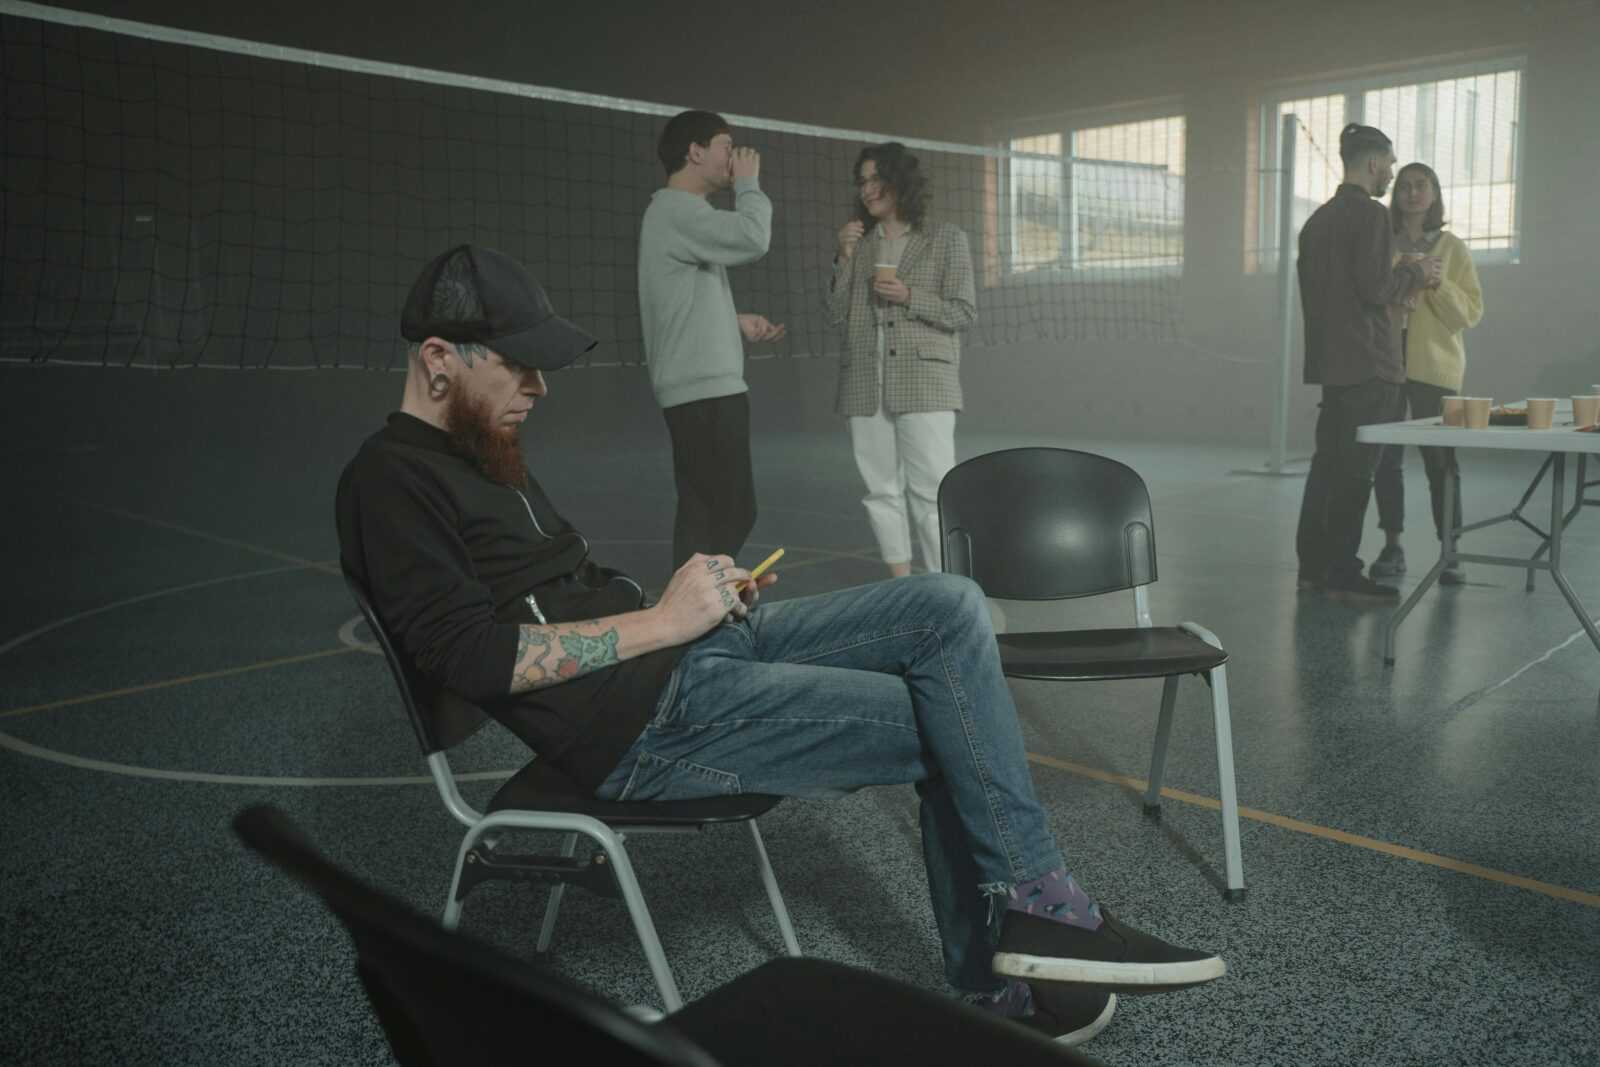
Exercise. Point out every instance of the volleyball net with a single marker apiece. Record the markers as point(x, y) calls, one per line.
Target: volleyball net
point(171, 199)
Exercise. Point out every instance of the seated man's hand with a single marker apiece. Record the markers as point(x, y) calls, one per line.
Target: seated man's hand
point(750, 592)
point(704, 593)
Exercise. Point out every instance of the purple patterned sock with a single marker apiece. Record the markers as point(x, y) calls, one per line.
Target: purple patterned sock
point(1056, 896)
point(1015, 1001)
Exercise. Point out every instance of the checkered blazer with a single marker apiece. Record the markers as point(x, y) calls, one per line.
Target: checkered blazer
point(922, 342)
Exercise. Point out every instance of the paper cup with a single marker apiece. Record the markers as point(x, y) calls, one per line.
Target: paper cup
point(884, 272)
point(1541, 412)
point(1586, 410)
point(1452, 410)
point(1475, 411)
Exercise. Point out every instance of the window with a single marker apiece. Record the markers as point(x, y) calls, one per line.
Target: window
point(1463, 122)
point(1098, 198)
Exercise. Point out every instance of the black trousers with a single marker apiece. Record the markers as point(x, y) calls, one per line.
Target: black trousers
point(711, 466)
point(1389, 485)
point(1334, 507)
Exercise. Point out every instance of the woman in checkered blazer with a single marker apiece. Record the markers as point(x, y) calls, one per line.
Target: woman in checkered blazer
point(903, 291)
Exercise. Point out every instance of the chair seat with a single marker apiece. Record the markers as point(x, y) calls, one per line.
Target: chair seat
point(1088, 655)
point(541, 787)
point(803, 1012)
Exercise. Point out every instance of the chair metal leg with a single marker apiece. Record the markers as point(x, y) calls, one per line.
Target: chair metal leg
point(452, 903)
point(553, 904)
point(770, 880)
point(622, 869)
point(1158, 761)
point(1234, 857)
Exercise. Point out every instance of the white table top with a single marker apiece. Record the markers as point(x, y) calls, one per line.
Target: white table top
point(1561, 437)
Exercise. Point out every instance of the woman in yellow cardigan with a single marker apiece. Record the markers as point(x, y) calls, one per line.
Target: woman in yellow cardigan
point(1435, 357)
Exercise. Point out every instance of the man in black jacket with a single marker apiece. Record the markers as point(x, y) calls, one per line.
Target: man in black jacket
point(1348, 284)
point(491, 593)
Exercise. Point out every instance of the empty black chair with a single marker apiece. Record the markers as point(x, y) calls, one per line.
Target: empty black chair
point(539, 797)
point(1052, 524)
point(444, 998)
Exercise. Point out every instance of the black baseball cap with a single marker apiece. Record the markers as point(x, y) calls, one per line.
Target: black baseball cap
point(475, 294)
point(1358, 138)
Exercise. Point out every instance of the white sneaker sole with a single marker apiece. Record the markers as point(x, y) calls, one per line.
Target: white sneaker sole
point(1089, 972)
point(1079, 1036)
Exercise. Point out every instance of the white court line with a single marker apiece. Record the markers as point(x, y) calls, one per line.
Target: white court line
point(1472, 698)
point(142, 597)
point(327, 568)
point(128, 770)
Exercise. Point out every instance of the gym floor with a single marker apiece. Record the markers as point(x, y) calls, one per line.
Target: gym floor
point(1420, 841)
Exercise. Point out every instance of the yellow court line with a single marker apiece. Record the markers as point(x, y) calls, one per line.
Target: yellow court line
point(1138, 785)
point(89, 698)
point(1560, 892)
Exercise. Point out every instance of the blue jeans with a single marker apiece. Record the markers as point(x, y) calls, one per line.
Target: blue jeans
point(880, 685)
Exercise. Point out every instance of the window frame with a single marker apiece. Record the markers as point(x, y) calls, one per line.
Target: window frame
point(1068, 125)
point(1354, 90)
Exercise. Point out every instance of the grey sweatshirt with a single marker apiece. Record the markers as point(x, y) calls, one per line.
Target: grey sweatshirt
point(691, 330)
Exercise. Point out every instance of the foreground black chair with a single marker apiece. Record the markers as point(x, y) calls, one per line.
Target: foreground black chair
point(539, 797)
point(444, 998)
point(1053, 524)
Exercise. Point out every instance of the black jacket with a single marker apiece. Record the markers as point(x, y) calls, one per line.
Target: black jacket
point(457, 563)
point(1348, 281)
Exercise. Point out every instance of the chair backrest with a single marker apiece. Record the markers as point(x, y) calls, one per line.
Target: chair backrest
point(441, 718)
point(1047, 524)
point(445, 998)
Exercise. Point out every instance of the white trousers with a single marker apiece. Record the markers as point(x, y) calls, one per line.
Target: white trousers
point(902, 458)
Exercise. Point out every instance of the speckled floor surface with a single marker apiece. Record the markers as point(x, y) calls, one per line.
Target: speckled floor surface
point(133, 929)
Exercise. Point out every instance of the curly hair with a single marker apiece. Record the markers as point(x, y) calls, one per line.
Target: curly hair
point(902, 175)
point(1434, 220)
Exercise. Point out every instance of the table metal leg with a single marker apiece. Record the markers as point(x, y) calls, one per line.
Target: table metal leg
point(1577, 506)
point(1447, 555)
point(1557, 527)
point(1516, 513)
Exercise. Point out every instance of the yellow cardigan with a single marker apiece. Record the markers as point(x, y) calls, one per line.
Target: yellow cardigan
point(1434, 351)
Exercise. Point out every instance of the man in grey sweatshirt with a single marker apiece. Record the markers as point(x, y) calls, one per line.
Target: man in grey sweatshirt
point(692, 332)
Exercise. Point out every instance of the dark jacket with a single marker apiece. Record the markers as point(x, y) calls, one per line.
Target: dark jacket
point(456, 564)
point(1348, 282)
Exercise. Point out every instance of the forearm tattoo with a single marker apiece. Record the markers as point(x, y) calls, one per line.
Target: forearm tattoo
point(540, 663)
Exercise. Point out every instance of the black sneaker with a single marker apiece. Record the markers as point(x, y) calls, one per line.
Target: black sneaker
point(1115, 956)
point(1361, 589)
point(1069, 1015)
point(1453, 574)
point(1391, 563)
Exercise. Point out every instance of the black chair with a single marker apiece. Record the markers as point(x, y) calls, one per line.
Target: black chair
point(1053, 524)
point(539, 797)
point(444, 998)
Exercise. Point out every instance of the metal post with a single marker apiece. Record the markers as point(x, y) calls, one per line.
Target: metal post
point(1280, 400)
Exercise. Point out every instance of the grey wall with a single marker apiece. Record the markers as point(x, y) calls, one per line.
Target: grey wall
point(962, 70)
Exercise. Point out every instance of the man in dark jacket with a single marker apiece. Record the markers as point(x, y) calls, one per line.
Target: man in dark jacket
point(491, 593)
point(1349, 282)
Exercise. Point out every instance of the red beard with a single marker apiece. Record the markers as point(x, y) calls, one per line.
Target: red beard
point(496, 450)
